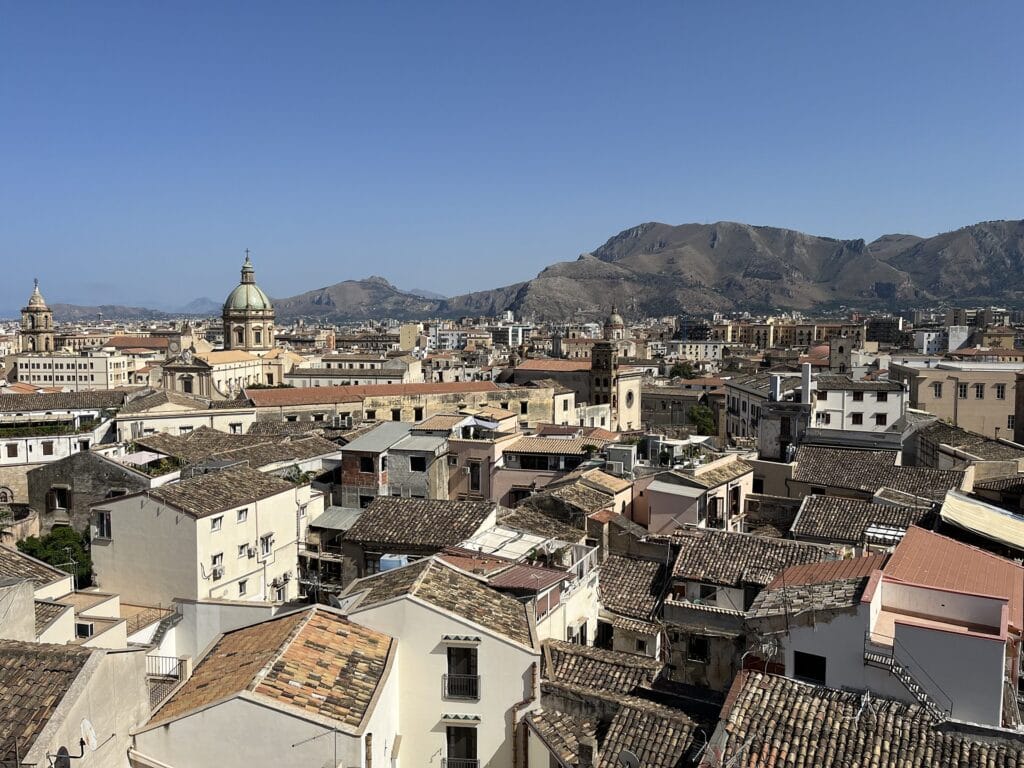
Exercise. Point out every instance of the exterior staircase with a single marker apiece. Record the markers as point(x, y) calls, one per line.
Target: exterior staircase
point(875, 657)
point(166, 623)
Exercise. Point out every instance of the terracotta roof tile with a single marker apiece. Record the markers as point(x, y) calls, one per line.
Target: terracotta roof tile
point(829, 570)
point(436, 583)
point(16, 564)
point(559, 732)
point(736, 559)
point(555, 445)
point(63, 401)
point(315, 660)
point(553, 364)
point(392, 521)
point(632, 587)
point(867, 471)
point(286, 396)
point(841, 520)
point(596, 668)
point(34, 679)
point(775, 722)
point(205, 495)
point(659, 736)
point(46, 612)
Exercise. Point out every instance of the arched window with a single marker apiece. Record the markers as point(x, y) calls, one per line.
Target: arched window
point(239, 336)
point(32, 321)
point(6, 495)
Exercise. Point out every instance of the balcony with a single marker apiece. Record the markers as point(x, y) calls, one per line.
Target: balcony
point(461, 687)
point(460, 762)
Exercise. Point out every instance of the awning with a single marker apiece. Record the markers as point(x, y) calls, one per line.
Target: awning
point(986, 520)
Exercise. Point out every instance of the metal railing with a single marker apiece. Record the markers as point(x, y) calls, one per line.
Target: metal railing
point(164, 666)
point(461, 686)
point(149, 616)
point(901, 662)
point(460, 762)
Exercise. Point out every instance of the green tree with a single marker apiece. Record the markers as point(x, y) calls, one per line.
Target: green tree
point(702, 420)
point(58, 548)
point(683, 370)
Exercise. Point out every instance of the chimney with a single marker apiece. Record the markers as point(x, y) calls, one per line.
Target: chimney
point(775, 388)
point(805, 383)
point(587, 750)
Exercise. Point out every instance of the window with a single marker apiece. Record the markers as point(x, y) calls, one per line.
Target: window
point(698, 649)
point(857, 418)
point(371, 414)
point(822, 394)
point(707, 592)
point(565, 405)
point(453, 460)
point(242, 515)
point(242, 584)
point(291, 417)
point(103, 525)
point(462, 680)
point(47, 447)
point(474, 475)
point(1010, 421)
point(418, 463)
point(641, 646)
point(461, 745)
point(809, 667)
point(396, 414)
point(216, 522)
point(881, 419)
point(266, 544)
point(279, 594)
point(372, 560)
point(217, 560)
point(882, 397)
point(12, 450)
point(961, 391)
point(858, 397)
point(1000, 391)
point(184, 430)
point(979, 391)
point(937, 390)
point(243, 550)
point(366, 464)
point(417, 413)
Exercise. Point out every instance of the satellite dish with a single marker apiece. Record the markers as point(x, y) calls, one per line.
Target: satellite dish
point(628, 760)
point(62, 759)
point(89, 735)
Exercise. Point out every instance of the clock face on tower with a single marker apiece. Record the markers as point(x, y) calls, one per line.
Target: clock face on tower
point(173, 347)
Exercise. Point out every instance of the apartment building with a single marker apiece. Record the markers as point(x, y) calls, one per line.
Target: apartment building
point(88, 370)
point(228, 535)
point(979, 397)
point(840, 403)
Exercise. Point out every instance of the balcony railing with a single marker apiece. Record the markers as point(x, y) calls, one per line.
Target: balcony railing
point(460, 762)
point(461, 686)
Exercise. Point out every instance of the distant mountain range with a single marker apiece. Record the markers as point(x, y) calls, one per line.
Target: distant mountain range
point(660, 269)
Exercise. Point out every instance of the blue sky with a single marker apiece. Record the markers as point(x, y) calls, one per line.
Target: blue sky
point(463, 145)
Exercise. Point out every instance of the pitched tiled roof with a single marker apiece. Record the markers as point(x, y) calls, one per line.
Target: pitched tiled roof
point(427, 523)
point(596, 668)
point(156, 399)
point(826, 381)
point(552, 364)
point(285, 396)
point(977, 445)
point(843, 520)
point(46, 612)
point(34, 678)
point(434, 582)
point(775, 722)
point(659, 736)
point(63, 401)
point(632, 587)
point(573, 446)
point(528, 519)
point(829, 570)
point(18, 565)
point(734, 559)
point(291, 450)
point(795, 599)
point(314, 660)
point(716, 476)
point(143, 342)
point(214, 492)
point(587, 500)
point(926, 558)
point(559, 732)
point(867, 471)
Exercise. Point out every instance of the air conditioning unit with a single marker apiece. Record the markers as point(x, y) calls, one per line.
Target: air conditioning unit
point(250, 552)
point(218, 572)
point(465, 470)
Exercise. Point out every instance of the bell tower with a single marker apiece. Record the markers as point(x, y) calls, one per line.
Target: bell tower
point(36, 324)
